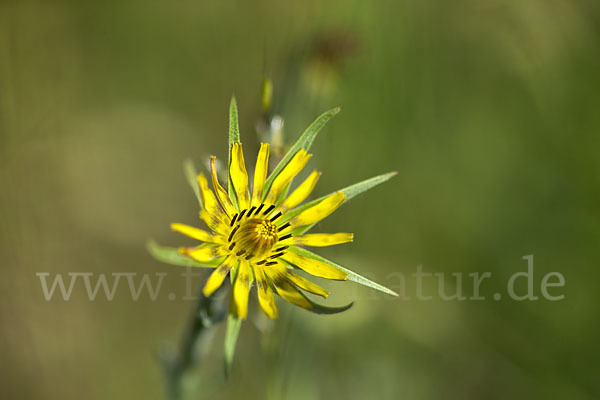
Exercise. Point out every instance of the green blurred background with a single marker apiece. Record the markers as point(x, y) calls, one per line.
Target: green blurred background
point(489, 111)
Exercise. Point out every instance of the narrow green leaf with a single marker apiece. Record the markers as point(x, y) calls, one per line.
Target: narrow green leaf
point(231, 335)
point(304, 142)
point(192, 177)
point(171, 255)
point(350, 192)
point(234, 137)
point(353, 276)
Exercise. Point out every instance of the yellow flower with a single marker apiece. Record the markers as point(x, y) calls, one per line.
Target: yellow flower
point(254, 236)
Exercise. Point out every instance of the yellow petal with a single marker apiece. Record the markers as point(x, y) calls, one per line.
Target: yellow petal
point(301, 192)
point(285, 176)
point(241, 288)
point(260, 173)
point(319, 211)
point(265, 296)
point(218, 276)
point(298, 280)
point(322, 239)
point(221, 193)
point(239, 176)
point(204, 253)
point(314, 267)
point(208, 198)
point(215, 223)
point(198, 234)
point(288, 292)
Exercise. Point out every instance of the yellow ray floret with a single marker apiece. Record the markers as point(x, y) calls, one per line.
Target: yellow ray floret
point(320, 210)
point(314, 267)
point(260, 173)
point(239, 176)
point(221, 193)
point(218, 276)
point(285, 176)
point(214, 223)
point(286, 273)
point(301, 192)
point(322, 239)
point(241, 289)
point(204, 253)
point(198, 234)
point(289, 292)
point(265, 295)
point(208, 198)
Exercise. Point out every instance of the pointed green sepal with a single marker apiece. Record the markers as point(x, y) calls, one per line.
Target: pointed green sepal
point(321, 309)
point(234, 137)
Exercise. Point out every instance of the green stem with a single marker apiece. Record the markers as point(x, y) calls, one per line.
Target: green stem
point(207, 312)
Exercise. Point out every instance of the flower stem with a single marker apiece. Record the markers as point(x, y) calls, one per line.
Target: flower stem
point(207, 312)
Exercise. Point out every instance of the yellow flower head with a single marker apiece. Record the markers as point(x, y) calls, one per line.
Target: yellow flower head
point(260, 235)
point(254, 237)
